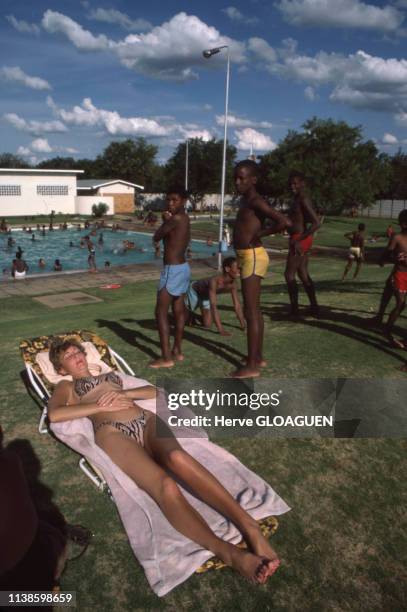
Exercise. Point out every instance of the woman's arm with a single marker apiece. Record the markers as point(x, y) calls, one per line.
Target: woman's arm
point(141, 393)
point(60, 410)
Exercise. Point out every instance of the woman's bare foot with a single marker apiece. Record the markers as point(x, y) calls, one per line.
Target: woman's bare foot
point(249, 565)
point(177, 356)
point(162, 363)
point(245, 372)
point(261, 547)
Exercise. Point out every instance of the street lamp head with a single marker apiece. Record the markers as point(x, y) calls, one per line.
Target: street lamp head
point(209, 52)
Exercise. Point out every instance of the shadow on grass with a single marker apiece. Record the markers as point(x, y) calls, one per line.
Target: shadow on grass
point(329, 322)
point(336, 285)
point(131, 336)
point(217, 348)
point(40, 494)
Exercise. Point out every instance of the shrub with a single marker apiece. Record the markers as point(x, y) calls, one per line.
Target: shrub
point(98, 210)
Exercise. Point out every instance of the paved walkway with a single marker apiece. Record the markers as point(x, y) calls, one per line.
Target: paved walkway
point(74, 281)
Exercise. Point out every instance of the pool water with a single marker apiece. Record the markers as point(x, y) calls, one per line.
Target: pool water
point(55, 245)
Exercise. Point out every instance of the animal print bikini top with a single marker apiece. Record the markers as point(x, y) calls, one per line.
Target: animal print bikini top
point(83, 386)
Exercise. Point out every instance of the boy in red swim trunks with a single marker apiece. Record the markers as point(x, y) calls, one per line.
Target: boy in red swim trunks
point(304, 224)
point(397, 248)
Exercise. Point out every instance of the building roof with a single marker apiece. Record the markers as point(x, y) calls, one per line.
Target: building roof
point(38, 171)
point(95, 183)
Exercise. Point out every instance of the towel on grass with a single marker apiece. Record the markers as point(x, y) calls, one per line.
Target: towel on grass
point(167, 557)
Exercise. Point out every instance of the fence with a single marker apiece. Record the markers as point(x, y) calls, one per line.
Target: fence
point(384, 208)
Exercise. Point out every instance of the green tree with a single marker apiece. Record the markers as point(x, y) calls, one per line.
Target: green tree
point(342, 169)
point(398, 183)
point(129, 160)
point(204, 167)
point(8, 160)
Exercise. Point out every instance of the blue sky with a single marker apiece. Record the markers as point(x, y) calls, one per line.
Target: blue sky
point(76, 75)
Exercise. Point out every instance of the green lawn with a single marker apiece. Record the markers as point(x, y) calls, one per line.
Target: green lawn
point(343, 544)
point(331, 234)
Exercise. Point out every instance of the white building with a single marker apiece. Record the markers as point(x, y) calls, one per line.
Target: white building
point(122, 192)
point(29, 192)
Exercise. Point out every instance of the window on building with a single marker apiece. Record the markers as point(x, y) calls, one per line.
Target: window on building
point(10, 190)
point(52, 190)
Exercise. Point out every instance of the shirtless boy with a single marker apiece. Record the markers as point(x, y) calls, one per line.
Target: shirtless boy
point(356, 249)
point(397, 249)
point(175, 276)
point(252, 259)
point(203, 293)
point(304, 224)
point(92, 254)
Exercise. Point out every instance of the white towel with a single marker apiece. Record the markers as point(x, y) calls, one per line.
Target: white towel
point(169, 558)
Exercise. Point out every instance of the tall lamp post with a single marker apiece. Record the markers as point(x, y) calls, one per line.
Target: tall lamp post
point(207, 54)
point(186, 163)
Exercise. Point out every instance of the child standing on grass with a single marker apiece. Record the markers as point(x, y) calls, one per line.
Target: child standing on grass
point(356, 250)
point(397, 249)
point(175, 276)
point(253, 259)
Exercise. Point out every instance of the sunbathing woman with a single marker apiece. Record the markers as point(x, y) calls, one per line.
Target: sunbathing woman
point(127, 434)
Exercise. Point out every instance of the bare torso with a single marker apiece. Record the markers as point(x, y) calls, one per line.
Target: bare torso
point(79, 396)
point(249, 222)
point(401, 252)
point(296, 215)
point(177, 240)
point(357, 240)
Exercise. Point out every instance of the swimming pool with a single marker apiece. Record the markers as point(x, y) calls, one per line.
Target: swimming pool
point(56, 245)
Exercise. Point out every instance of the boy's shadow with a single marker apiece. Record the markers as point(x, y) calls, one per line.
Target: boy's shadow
point(131, 336)
point(217, 348)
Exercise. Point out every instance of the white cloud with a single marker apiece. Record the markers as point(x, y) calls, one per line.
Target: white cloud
point(309, 93)
point(23, 151)
point(88, 115)
point(249, 138)
point(121, 19)
point(239, 122)
point(41, 145)
point(14, 74)
point(169, 51)
point(23, 26)
point(360, 80)
point(54, 22)
point(235, 15)
point(340, 14)
point(197, 133)
point(34, 127)
point(389, 139)
point(401, 118)
point(262, 50)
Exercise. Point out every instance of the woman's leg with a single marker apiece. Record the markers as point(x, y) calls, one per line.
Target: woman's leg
point(168, 453)
point(129, 456)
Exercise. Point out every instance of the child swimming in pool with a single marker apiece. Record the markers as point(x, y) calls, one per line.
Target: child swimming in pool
point(126, 433)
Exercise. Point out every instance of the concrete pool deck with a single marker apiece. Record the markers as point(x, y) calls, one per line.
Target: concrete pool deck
point(76, 281)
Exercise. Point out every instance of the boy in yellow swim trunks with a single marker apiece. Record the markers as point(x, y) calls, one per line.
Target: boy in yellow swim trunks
point(252, 259)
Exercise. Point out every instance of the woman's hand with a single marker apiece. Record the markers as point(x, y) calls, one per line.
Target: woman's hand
point(114, 400)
